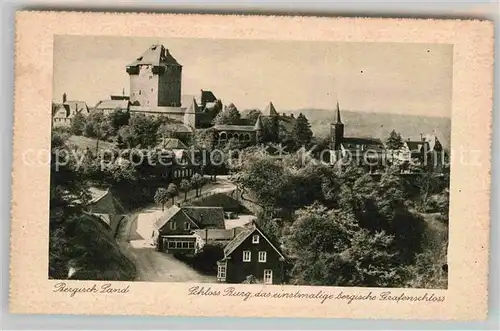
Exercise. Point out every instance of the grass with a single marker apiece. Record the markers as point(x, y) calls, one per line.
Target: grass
point(90, 143)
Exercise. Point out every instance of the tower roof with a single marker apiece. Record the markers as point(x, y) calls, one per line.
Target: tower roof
point(258, 124)
point(156, 55)
point(338, 120)
point(270, 110)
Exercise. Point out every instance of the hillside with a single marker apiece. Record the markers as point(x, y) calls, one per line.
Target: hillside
point(378, 125)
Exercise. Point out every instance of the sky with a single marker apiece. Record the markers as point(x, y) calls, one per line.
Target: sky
point(369, 77)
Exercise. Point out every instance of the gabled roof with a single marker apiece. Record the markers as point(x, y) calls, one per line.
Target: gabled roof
point(172, 143)
point(156, 55)
point(270, 110)
point(178, 127)
point(217, 234)
point(248, 230)
point(201, 217)
point(167, 216)
point(113, 104)
point(103, 202)
point(206, 216)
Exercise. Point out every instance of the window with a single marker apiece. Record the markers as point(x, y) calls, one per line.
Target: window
point(171, 244)
point(221, 272)
point(187, 226)
point(255, 239)
point(268, 276)
point(173, 225)
point(247, 256)
point(140, 92)
point(178, 244)
point(191, 244)
point(185, 244)
point(262, 256)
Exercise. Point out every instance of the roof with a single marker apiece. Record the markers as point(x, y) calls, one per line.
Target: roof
point(338, 119)
point(172, 143)
point(246, 231)
point(258, 124)
point(207, 96)
point(357, 143)
point(167, 215)
point(217, 234)
point(416, 146)
point(202, 217)
point(270, 110)
point(103, 202)
point(112, 104)
point(224, 127)
point(206, 216)
point(70, 108)
point(156, 55)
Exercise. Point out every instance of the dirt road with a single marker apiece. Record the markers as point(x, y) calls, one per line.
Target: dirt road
point(134, 238)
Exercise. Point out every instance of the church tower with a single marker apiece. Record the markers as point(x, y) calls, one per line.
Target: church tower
point(155, 79)
point(336, 131)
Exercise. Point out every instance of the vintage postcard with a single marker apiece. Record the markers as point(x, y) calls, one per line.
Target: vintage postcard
point(251, 166)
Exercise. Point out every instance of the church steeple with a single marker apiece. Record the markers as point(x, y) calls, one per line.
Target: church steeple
point(336, 131)
point(339, 121)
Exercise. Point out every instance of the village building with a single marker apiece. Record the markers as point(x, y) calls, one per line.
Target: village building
point(63, 113)
point(116, 102)
point(175, 229)
point(252, 253)
point(106, 208)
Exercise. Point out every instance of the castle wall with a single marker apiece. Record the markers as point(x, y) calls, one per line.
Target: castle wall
point(144, 87)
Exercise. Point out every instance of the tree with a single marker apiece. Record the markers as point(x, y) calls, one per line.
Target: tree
point(301, 131)
point(185, 186)
point(144, 129)
point(197, 182)
point(394, 142)
point(253, 114)
point(329, 248)
point(172, 192)
point(230, 115)
point(96, 126)
point(117, 119)
point(77, 124)
point(161, 197)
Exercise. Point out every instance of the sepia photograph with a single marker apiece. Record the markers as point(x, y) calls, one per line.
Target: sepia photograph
point(250, 161)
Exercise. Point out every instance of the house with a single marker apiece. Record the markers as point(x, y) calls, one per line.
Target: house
point(120, 103)
point(106, 208)
point(252, 253)
point(175, 229)
point(67, 110)
point(250, 134)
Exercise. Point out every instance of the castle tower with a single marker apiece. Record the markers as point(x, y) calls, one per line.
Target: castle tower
point(336, 132)
point(155, 79)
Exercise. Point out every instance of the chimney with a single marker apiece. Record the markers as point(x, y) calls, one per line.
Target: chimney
point(64, 97)
point(284, 114)
point(292, 116)
point(123, 91)
point(421, 136)
point(206, 235)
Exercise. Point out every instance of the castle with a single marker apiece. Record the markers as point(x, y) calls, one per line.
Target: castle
point(156, 90)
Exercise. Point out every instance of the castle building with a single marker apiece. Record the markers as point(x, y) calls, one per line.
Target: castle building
point(156, 89)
